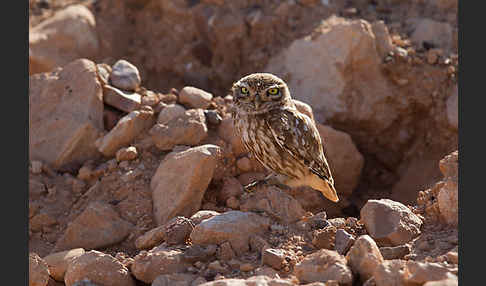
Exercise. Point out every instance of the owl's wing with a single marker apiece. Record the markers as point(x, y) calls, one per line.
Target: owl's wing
point(296, 134)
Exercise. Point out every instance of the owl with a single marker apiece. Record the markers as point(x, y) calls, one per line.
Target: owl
point(281, 138)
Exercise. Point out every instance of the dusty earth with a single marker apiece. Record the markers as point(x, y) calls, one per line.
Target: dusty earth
point(136, 177)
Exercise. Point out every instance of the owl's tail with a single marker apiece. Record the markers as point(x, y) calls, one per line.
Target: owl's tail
point(325, 187)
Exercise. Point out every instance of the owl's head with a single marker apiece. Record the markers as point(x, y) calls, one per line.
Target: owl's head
point(260, 92)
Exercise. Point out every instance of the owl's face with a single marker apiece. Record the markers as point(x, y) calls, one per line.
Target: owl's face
point(260, 92)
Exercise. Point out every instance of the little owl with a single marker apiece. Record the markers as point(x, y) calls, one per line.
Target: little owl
point(281, 138)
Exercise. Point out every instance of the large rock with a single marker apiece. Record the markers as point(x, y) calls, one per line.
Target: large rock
point(125, 131)
point(188, 129)
point(233, 226)
point(194, 97)
point(125, 76)
point(259, 280)
point(65, 115)
point(170, 112)
point(344, 159)
point(99, 268)
point(448, 194)
point(226, 131)
point(181, 180)
point(176, 279)
point(99, 225)
point(38, 271)
point(322, 266)
point(421, 272)
point(58, 262)
point(274, 202)
point(390, 223)
point(453, 108)
point(436, 33)
point(391, 273)
point(68, 35)
point(364, 256)
point(158, 261)
point(313, 67)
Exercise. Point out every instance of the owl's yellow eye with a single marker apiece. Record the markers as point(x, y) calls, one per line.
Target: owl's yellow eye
point(244, 90)
point(273, 91)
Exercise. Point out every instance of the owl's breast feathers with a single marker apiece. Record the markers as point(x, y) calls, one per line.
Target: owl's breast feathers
point(297, 135)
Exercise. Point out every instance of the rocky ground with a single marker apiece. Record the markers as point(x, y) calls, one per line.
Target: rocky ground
point(135, 175)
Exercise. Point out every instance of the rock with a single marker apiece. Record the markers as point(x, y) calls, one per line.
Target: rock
point(445, 282)
point(36, 167)
point(178, 230)
point(68, 35)
point(193, 97)
point(188, 129)
point(313, 69)
point(453, 109)
point(111, 117)
point(120, 100)
point(226, 132)
point(126, 154)
point(36, 189)
point(254, 280)
point(236, 227)
point(273, 258)
point(421, 272)
point(170, 112)
point(274, 202)
point(448, 194)
point(124, 75)
point(452, 257)
point(41, 220)
point(396, 252)
point(344, 159)
point(390, 223)
point(38, 270)
point(364, 256)
point(226, 253)
point(231, 188)
point(198, 217)
point(151, 238)
point(104, 71)
point(175, 231)
point(246, 267)
point(65, 115)
point(217, 267)
point(150, 98)
point(158, 261)
point(303, 107)
point(439, 34)
point(58, 262)
point(100, 268)
point(233, 203)
point(85, 282)
point(99, 225)
point(244, 164)
point(213, 118)
point(180, 181)
point(322, 266)
point(176, 279)
point(325, 238)
point(198, 253)
point(384, 43)
point(257, 243)
point(125, 131)
point(391, 273)
point(344, 241)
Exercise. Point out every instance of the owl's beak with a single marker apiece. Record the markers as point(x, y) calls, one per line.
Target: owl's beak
point(257, 101)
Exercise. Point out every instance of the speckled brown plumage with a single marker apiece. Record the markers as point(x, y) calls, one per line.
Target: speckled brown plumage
point(284, 140)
